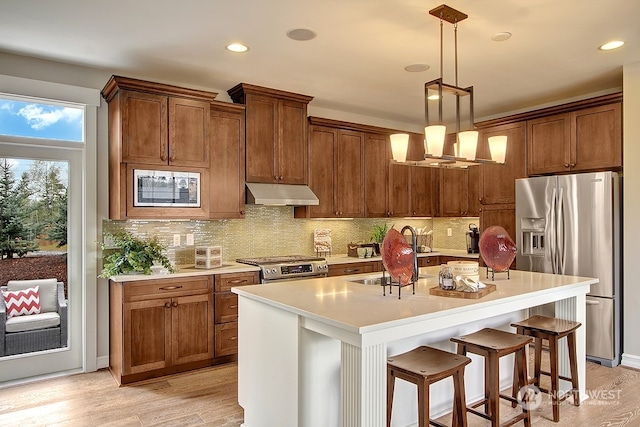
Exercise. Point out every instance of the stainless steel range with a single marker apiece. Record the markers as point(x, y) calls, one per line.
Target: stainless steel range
point(290, 267)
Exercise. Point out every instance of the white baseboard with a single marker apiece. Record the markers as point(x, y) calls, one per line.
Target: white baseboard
point(630, 360)
point(102, 362)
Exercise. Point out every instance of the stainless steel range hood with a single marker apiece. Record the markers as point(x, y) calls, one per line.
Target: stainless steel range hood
point(280, 194)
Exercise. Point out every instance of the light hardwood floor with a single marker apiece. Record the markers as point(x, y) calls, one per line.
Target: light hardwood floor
point(208, 397)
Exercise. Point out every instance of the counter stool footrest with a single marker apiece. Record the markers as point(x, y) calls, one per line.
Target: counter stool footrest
point(514, 420)
point(547, 373)
point(509, 398)
point(437, 424)
point(478, 413)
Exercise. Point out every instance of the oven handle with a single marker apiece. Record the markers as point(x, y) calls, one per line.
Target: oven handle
point(291, 279)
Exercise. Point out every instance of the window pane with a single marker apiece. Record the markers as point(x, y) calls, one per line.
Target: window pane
point(38, 120)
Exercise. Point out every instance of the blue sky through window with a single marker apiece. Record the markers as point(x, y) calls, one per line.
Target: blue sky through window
point(37, 120)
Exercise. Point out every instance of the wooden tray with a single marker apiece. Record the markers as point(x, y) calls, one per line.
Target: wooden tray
point(461, 294)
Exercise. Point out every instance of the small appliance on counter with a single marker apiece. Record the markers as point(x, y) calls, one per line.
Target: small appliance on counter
point(473, 238)
point(286, 268)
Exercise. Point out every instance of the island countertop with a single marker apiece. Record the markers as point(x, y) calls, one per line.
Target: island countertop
point(363, 308)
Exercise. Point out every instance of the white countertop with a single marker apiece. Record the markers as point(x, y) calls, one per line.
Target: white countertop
point(362, 308)
point(227, 267)
point(344, 259)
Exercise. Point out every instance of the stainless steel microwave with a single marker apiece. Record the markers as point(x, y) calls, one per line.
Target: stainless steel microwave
point(166, 188)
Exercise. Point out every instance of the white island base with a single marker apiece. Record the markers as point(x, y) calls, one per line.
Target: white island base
point(313, 353)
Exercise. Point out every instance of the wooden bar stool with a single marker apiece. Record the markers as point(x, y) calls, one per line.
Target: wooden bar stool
point(552, 330)
point(424, 366)
point(492, 344)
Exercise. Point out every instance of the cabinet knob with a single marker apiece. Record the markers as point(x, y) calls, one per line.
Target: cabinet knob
point(242, 212)
point(167, 305)
point(573, 165)
point(566, 165)
point(175, 304)
point(163, 157)
point(388, 213)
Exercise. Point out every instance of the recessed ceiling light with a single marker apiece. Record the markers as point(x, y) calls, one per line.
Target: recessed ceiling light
point(301, 34)
point(416, 68)
point(237, 47)
point(611, 45)
point(500, 37)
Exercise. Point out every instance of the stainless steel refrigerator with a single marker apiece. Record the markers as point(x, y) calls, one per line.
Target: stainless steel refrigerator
point(570, 224)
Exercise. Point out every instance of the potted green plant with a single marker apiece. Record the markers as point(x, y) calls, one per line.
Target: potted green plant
point(377, 237)
point(130, 254)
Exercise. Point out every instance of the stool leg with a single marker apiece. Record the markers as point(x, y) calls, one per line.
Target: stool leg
point(492, 387)
point(571, 342)
point(537, 362)
point(523, 379)
point(423, 404)
point(459, 400)
point(516, 383)
point(553, 361)
point(391, 382)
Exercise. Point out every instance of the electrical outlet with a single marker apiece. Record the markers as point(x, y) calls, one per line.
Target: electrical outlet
point(176, 240)
point(449, 232)
point(190, 239)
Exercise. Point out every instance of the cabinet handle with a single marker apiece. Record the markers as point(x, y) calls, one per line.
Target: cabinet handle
point(573, 165)
point(236, 281)
point(170, 288)
point(388, 213)
point(233, 338)
point(566, 165)
point(351, 270)
point(167, 305)
point(233, 306)
point(175, 304)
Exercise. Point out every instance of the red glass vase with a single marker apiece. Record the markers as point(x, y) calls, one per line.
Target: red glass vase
point(497, 248)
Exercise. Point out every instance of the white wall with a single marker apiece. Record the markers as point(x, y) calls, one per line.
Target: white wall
point(631, 248)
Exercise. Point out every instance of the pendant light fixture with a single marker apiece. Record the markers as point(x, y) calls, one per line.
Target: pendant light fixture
point(435, 131)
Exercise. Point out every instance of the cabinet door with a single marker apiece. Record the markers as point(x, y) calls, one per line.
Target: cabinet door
point(261, 132)
point(192, 328)
point(227, 188)
point(422, 191)
point(354, 268)
point(147, 335)
point(188, 132)
point(597, 138)
point(498, 181)
point(399, 190)
point(453, 192)
point(548, 140)
point(502, 215)
point(291, 157)
point(377, 151)
point(144, 128)
point(322, 144)
point(428, 261)
point(349, 173)
point(226, 339)
point(226, 308)
point(473, 187)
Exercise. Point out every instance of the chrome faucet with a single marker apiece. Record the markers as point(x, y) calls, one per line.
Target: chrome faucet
point(414, 246)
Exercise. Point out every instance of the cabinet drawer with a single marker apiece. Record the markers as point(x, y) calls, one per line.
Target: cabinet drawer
point(226, 307)
point(146, 289)
point(428, 261)
point(355, 268)
point(226, 339)
point(224, 282)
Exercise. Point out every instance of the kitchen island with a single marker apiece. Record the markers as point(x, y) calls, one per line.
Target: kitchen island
point(313, 352)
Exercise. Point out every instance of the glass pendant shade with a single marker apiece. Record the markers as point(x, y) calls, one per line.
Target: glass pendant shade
point(498, 148)
point(434, 139)
point(468, 144)
point(399, 146)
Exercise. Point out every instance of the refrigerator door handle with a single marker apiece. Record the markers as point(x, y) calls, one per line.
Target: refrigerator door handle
point(550, 233)
point(561, 236)
point(592, 302)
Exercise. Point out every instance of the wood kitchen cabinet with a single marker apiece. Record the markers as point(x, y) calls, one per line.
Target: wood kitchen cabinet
point(160, 326)
point(276, 134)
point(577, 141)
point(226, 310)
point(358, 267)
point(377, 152)
point(336, 172)
point(155, 126)
point(227, 170)
point(428, 261)
point(454, 192)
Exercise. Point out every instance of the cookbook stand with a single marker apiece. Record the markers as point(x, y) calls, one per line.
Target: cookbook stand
point(388, 281)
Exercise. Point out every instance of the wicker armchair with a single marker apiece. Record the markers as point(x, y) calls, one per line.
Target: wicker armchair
point(35, 332)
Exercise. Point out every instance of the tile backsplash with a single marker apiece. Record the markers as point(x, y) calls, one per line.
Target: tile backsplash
point(270, 230)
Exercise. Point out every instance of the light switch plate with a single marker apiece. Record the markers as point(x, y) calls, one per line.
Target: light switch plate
point(176, 240)
point(190, 240)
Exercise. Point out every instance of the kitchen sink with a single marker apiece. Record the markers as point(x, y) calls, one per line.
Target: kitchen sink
point(378, 280)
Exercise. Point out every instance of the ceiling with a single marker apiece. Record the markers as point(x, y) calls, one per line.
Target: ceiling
point(356, 62)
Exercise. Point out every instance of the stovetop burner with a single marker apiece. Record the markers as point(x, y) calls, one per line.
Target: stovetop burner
point(277, 259)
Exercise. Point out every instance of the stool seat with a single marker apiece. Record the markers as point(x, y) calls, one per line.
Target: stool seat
point(424, 366)
point(552, 329)
point(492, 344)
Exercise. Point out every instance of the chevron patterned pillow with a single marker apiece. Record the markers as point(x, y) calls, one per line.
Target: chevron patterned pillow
point(21, 303)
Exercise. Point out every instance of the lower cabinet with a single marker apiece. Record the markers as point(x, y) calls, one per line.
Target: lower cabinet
point(226, 310)
point(428, 261)
point(158, 327)
point(354, 268)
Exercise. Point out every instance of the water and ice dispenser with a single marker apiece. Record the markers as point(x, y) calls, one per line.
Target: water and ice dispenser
point(533, 236)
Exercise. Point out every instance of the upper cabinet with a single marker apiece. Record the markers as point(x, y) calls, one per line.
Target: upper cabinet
point(156, 127)
point(159, 124)
point(576, 141)
point(276, 134)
